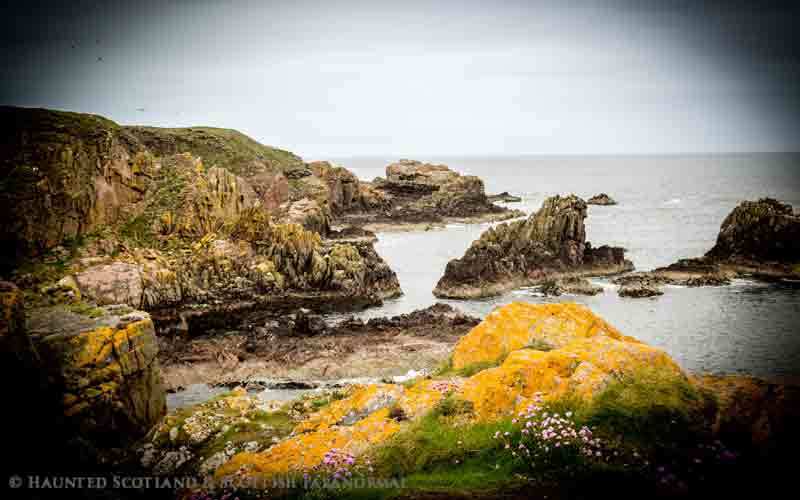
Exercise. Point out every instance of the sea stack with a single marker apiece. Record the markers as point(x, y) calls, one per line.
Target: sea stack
point(548, 245)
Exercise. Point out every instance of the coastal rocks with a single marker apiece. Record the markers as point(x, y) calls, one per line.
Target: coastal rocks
point(65, 174)
point(601, 199)
point(758, 239)
point(571, 285)
point(105, 369)
point(416, 172)
point(517, 325)
point(197, 440)
point(418, 193)
point(504, 197)
point(552, 352)
point(269, 344)
point(96, 377)
point(763, 231)
point(549, 244)
point(637, 290)
point(114, 283)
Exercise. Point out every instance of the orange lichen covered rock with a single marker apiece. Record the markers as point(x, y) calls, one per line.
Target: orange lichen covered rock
point(581, 369)
point(423, 396)
point(362, 401)
point(517, 325)
point(305, 451)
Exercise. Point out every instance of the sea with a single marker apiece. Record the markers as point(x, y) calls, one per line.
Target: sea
point(670, 207)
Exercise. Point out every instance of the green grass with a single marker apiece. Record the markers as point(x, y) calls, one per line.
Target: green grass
point(446, 368)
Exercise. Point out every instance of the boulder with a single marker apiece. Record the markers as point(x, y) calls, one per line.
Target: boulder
point(104, 369)
point(572, 285)
point(549, 244)
point(114, 283)
point(601, 199)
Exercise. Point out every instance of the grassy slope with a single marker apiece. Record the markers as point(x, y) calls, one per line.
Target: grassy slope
point(219, 147)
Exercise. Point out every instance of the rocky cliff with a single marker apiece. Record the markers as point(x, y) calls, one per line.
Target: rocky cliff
point(551, 243)
point(175, 220)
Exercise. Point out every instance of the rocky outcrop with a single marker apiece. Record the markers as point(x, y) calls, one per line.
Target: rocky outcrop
point(639, 290)
point(414, 192)
point(97, 372)
point(570, 285)
point(173, 220)
point(601, 199)
point(505, 197)
point(550, 244)
point(758, 239)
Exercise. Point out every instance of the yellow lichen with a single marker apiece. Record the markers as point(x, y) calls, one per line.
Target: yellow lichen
point(305, 451)
point(517, 325)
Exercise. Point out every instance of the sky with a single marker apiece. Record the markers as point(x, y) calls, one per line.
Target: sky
point(410, 78)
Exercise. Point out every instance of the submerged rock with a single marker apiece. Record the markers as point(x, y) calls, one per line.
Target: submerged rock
point(550, 244)
point(601, 199)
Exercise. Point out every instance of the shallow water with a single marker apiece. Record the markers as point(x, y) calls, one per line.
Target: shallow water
point(669, 208)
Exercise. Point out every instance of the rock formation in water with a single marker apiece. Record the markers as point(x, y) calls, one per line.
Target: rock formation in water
point(549, 244)
point(184, 223)
point(416, 192)
point(758, 239)
point(601, 199)
point(505, 197)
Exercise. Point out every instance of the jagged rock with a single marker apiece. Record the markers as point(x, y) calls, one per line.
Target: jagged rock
point(601, 199)
point(505, 197)
point(309, 214)
point(549, 244)
point(762, 231)
point(758, 239)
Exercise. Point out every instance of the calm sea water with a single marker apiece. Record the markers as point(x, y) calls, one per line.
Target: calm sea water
point(669, 208)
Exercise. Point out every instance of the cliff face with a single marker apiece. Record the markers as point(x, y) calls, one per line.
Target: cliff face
point(550, 243)
point(63, 175)
point(174, 218)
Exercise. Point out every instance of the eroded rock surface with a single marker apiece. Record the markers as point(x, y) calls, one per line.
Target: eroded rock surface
point(549, 244)
point(601, 199)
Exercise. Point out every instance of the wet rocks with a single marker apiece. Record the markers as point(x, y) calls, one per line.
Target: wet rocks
point(601, 199)
point(639, 290)
point(547, 245)
point(571, 285)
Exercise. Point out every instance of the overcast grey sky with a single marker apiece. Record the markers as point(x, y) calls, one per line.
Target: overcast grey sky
point(412, 78)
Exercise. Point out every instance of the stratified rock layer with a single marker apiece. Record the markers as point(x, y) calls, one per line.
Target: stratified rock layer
point(550, 244)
